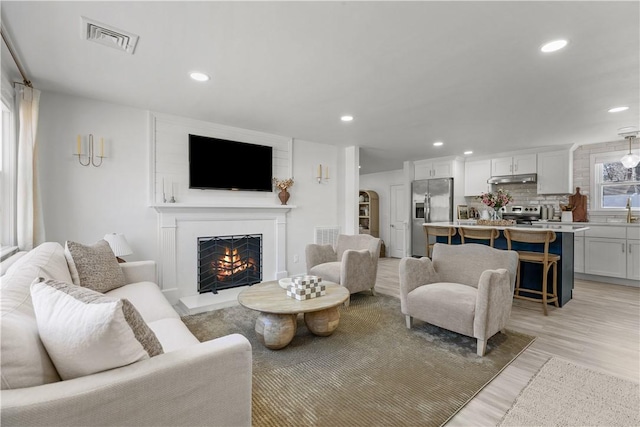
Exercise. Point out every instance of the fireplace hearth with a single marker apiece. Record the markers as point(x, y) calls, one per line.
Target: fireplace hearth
point(229, 261)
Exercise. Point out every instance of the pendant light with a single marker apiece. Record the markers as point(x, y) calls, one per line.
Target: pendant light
point(630, 160)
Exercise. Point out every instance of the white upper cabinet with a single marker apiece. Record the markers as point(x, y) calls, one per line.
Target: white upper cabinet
point(476, 174)
point(514, 165)
point(427, 169)
point(554, 172)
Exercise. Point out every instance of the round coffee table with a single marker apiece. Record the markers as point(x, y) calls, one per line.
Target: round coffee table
point(276, 324)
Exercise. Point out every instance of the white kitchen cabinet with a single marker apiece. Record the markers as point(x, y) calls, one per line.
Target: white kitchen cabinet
point(554, 172)
point(514, 165)
point(427, 169)
point(476, 174)
point(578, 252)
point(606, 257)
point(633, 259)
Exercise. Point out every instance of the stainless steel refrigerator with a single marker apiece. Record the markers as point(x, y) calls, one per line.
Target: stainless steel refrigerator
point(432, 201)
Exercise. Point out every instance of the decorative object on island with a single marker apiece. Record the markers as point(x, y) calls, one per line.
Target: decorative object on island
point(119, 245)
point(630, 160)
point(319, 174)
point(496, 222)
point(496, 201)
point(91, 156)
point(368, 220)
point(283, 185)
point(463, 212)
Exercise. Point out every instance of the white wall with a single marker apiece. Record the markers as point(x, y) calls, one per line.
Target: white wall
point(317, 204)
point(84, 203)
point(381, 183)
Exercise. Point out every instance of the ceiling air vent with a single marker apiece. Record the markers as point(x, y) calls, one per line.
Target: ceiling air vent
point(107, 35)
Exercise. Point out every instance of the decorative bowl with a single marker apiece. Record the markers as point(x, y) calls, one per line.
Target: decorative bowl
point(284, 282)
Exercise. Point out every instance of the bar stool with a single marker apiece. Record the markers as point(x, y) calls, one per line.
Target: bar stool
point(541, 237)
point(438, 231)
point(489, 234)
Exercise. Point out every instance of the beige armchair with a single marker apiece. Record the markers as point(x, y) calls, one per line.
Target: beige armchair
point(467, 289)
point(353, 263)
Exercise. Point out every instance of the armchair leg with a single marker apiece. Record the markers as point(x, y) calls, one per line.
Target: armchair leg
point(482, 347)
point(409, 321)
point(373, 292)
point(346, 303)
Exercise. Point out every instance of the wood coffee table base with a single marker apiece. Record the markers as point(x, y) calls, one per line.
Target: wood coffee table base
point(322, 322)
point(276, 331)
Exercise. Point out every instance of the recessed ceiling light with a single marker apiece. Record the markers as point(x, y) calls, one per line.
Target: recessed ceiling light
point(346, 118)
point(618, 109)
point(553, 46)
point(199, 77)
point(468, 152)
point(438, 143)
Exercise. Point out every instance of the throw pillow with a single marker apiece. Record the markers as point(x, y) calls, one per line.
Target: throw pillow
point(94, 267)
point(86, 332)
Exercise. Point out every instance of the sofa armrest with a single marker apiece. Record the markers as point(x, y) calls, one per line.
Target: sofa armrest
point(139, 271)
point(319, 254)
point(413, 273)
point(205, 384)
point(493, 303)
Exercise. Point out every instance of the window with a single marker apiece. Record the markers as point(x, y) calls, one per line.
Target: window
point(7, 178)
point(613, 183)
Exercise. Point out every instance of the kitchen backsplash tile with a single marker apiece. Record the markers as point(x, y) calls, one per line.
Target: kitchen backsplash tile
point(525, 194)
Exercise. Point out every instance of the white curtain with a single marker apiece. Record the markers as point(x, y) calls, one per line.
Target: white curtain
point(30, 222)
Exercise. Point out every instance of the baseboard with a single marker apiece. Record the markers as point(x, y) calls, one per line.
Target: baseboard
point(607, 279)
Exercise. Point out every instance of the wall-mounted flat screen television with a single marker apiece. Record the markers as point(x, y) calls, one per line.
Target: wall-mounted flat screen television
point(221, 164)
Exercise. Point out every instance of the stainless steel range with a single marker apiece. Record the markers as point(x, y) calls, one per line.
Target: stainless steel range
point(521, 214)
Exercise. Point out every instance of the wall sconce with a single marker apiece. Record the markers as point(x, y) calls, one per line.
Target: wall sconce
point(319, 175)
point(91, 157)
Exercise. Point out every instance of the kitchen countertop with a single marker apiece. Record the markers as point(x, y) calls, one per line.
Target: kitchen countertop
point(561, 227)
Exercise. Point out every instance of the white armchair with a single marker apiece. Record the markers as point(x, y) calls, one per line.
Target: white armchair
point(353, 263)
point(467, 289)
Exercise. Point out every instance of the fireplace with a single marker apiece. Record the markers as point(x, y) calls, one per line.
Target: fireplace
point(229, 261)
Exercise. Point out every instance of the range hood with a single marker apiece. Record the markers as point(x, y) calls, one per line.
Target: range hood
point(513, 179)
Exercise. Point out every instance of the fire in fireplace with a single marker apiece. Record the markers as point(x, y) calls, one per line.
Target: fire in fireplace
point(229, 261)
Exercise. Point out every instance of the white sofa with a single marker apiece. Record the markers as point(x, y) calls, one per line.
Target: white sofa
point(191, 384)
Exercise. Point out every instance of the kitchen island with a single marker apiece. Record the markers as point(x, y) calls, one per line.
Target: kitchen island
point(531, 274)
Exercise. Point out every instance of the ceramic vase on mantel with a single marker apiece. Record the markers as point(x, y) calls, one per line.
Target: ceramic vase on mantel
point(283, 195)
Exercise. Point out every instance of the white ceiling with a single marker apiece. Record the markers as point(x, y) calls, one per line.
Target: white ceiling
point(468, 73)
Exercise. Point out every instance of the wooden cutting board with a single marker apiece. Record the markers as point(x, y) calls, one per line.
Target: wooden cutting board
point(578, 203)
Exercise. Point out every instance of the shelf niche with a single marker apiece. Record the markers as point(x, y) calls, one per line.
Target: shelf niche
point(368, 218)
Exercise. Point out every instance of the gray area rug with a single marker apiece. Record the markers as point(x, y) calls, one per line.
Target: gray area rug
point(564, 394)
point(370, 371)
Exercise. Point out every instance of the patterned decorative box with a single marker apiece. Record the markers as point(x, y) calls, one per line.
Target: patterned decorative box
point(305, 281)
point(306, 287)
point(302, 294)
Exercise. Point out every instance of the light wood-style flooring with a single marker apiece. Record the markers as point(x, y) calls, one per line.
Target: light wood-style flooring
point(599, 329)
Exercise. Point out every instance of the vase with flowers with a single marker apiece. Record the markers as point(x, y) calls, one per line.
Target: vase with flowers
point(496, 201)
point(283, 185)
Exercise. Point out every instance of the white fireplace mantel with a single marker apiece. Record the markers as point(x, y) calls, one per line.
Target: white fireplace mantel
point(168, 207)
point(180, 224)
